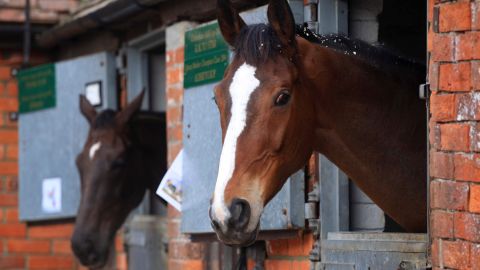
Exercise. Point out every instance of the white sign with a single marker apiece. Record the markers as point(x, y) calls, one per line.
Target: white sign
point(52, 195)
point(93, 93)
point(170, 189)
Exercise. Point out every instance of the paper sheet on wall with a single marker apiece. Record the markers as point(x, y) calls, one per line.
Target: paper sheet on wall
point(170, 189)
point(52, 195)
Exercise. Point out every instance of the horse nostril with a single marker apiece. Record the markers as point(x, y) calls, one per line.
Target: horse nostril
point(92, 257)
point(240, 210)
point(215, 225)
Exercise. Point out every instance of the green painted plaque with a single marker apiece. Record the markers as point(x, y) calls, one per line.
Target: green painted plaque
point(36, 88)
point(206, 56)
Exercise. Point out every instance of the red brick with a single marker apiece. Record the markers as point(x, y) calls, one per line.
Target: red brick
point(476, 75)
point(433, 75)
point(51, 231)
point(475, 256)
point(13, 230)
point(455, 77)
point(119, 243)
point(10, 168)
point(442, 107)
point(456, 254)
point(174, 75)
point(8, 200)
point(449, 195)
point(121, 260)
point(455, 137)
point(173, 150)
point(301, 265)
point(12, 151)
point(44, 16)
point(444, 47)
point(455, 17)
point(12, 89)
point(467, 167)
point(8, 136)
point(467, 46)
point(62, 247)
point(5, 72)
point(277, 247)
point(50, 262)
point(9, 104)
point(11, 215)
point(174, 115)
point(175, 133)
point(441, 224)
point(435, 252)
point(55, 5)
point(185, 264)
point(172, 213)
point(474, 204)
point(173, 228)
point(12, 262)
point(174, 96)
point(28, 246)
point(180, 249)
point(11, 184)
point(476, 14)
point(467, 106)
point(441, 165)
point(278, 264)
point(467, 226)
point(179, 55)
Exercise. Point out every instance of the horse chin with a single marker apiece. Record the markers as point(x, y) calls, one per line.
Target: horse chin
point(239, 239)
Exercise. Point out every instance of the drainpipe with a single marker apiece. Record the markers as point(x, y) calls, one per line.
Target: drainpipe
point(27, 35)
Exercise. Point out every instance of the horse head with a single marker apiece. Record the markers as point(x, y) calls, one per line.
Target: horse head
point(266, 116)
point(107, 166)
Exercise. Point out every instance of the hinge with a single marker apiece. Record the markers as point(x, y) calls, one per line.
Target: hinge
point(424, 91)
point(312, 214)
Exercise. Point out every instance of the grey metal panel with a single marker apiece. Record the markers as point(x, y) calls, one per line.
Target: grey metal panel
point(333, 16)
point(50, 139)
point(202, 146)
point(137, 75)
point(334, 205)
point(374, 250)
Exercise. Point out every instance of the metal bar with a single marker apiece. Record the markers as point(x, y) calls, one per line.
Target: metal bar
point(27, 35)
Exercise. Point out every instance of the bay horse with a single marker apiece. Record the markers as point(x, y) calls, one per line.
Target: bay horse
point(288, 93)
point(123, 156)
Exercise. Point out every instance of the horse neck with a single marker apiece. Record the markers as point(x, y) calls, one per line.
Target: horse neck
point(148, 137)
point(371, 124)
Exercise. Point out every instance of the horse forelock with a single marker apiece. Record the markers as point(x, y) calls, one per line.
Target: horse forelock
point(257, 43)
point(105, 119)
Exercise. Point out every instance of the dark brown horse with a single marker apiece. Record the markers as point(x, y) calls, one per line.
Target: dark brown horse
point(288, 93)
point(124, 155)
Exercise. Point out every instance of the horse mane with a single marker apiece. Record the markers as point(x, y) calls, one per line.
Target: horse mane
point(258, 42)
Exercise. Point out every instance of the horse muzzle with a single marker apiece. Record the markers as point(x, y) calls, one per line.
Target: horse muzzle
point(233, 230)
point(89, 253)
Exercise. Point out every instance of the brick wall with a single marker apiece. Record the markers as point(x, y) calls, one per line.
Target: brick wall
point(454, 74)
point(42, 11)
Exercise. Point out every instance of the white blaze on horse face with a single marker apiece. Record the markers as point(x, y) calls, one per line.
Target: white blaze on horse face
point(94, 149)
point(243, 84)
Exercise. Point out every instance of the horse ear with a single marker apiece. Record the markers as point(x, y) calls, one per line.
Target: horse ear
point(126, 114)
point(281, 19)
point(87, 109)
point(229, 21)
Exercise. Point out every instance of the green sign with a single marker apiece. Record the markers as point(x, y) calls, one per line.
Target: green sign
point(206, 56)
point(36, 88)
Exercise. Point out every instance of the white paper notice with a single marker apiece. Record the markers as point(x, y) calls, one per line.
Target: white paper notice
point(52, 195)
point(170, 189)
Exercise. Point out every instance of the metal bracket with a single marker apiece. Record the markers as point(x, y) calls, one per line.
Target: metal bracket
point(312, 216)
point(424, 91)
point(413, 265)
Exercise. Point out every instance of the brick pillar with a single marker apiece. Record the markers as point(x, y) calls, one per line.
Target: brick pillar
point(454, 75)
point(182, 253)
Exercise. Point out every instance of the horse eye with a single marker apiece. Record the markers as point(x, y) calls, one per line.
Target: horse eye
point(119, 163)
point(282, 99)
